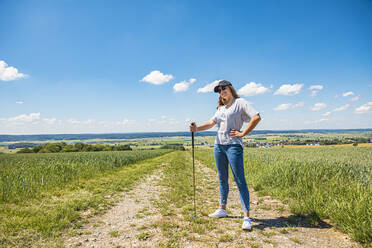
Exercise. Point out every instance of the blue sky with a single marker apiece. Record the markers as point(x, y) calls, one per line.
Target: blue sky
point(140, 66)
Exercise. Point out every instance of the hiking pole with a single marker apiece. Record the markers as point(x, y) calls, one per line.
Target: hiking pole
point(193, 171)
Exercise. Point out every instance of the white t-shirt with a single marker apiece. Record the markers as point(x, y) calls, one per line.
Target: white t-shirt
point(232, 117)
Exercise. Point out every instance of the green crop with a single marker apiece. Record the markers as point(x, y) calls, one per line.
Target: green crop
point(324, 182)
point(25, 175)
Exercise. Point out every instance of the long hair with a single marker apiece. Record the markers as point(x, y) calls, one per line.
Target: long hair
point(222, 102)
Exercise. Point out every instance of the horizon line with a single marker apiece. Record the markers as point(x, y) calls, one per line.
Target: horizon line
point(254, 131)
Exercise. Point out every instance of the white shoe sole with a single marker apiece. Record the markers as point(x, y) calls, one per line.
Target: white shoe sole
point(217, 216)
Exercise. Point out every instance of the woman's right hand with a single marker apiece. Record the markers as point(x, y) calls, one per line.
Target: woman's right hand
point(193, 127)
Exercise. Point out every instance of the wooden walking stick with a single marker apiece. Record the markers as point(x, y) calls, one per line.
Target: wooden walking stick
point(193, 171)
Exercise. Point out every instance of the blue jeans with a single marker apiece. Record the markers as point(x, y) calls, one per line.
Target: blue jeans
point(233, 155)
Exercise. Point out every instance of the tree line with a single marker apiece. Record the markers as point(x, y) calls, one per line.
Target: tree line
point(174, 147)
point(77, 147)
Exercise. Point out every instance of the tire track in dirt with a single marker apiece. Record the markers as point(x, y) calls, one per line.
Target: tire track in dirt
point(128, 223)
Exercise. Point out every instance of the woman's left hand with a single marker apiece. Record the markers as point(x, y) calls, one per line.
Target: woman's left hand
point(236, 133)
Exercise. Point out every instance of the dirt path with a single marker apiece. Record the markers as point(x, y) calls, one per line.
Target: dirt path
point(134, 222)
point(124, 224)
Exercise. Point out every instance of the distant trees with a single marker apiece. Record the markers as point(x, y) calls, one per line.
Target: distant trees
point(174, 147)
point(77, 147)
point(69, 148)
point(22, 145)
point(25, 150)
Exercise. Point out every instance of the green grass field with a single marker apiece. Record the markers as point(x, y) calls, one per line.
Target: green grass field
point(26, 175)
point(65, 186)
point(42, 195)
point(327, 182)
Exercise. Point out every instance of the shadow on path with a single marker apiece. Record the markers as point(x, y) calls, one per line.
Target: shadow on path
point(233, 217)
point(290, 221)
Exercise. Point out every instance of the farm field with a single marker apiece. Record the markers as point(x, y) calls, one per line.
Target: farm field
point(50, 198)
point(326, 183)
point(42, 194)
point(340, 145)
point(157, 214)
point(275, 140)
point(26, 175)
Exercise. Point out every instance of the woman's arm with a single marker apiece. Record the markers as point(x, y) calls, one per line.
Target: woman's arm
point(251, 125)
point(205, 126)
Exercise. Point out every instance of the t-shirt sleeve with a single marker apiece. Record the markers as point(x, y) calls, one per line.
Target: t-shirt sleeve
point(215, 117)
point(248, 110)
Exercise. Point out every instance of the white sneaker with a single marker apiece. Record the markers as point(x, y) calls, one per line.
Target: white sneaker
point(219, 213)
point(247, 224)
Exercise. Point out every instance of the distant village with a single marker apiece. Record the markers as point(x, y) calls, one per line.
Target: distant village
point(268, 145)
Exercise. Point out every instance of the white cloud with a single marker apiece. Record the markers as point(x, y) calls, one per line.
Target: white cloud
point(349, 93)
point(316, 87)
point(318, 106)
point(283, 106)
point(32, 118)
point(104, 124)
point(289, 89)
point(316, 121)
point(286, 106)
point(19, 102)
point(364, 108)
point(251, 89)
point(73, 121)
point(9, 73)
point(314, 93)
point(209, 87)
point(300, 104)
point(157, 78)
point(89, 122)
point(25, 118)
point(50, 121)
point(355, 98)
point(163, 120)
point(342, 108)
point(123, 122)
point(184, 85)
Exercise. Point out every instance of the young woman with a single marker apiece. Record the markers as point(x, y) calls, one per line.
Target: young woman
point(231, 113)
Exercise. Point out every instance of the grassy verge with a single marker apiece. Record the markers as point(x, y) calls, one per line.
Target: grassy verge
point(177, 180)
point(176, 206)
point(41, 222)
point(334, 183)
